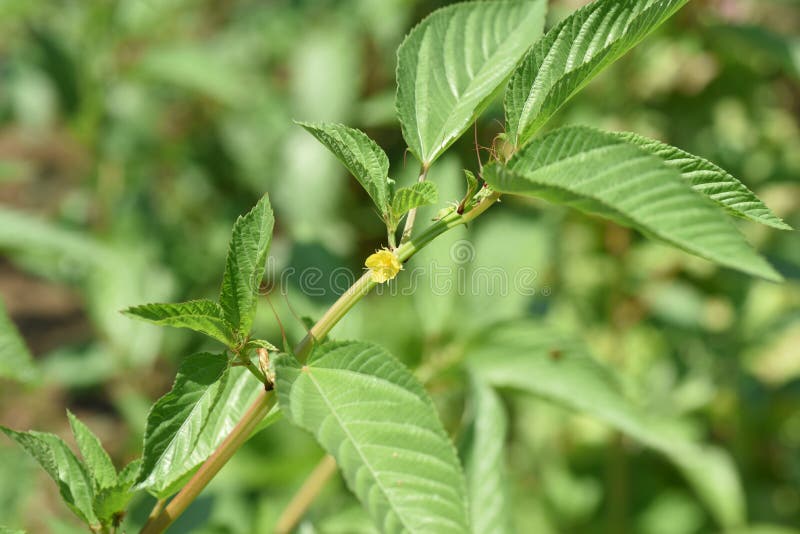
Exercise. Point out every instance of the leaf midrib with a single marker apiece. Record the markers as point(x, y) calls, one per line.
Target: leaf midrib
point(170, 446)
point(344, 428)
point(636, 220)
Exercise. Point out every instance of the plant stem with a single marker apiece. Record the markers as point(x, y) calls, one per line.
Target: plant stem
point(160, 521)
point(250, 366)
point(412, 214)
point(257, 411)
point(306, 495)
point(346, 301)
point(157, 509)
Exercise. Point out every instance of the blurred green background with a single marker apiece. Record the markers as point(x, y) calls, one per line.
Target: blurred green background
point(132, 133)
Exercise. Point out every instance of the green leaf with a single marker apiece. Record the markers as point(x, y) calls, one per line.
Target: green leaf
point(110, 503)
point(16, 361)
point(185, 426)
point(599, 173)
point(574, 52)
point(261, 344)
point(202, 315)
point(408, 198)
point(452, 63)
point(712, 181)
point(484, 462)
point(365, 160)
point(127, 476)
point(71, 476)
point(532, 357)
point(104, 475)
point(244, 268)
point(369, 412)
point(472, 188)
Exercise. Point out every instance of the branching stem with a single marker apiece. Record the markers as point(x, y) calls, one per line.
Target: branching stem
point(159, 521)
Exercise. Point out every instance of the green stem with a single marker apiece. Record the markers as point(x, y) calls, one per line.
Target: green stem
point(245, 360)
point(334, 314)
point(159, 522)
point(412, 215)
point(241, 432)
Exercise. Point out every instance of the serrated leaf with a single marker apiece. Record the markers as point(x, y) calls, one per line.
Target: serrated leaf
point(202, 315)
point(371, 414)
point(245, 265)
point(710, 180)
point(574, 52)
point(185, 426)
point(535, 358)
point(365, 160)
point(71, 476)
point(127, 475)
point(110, 503)
point(261, 344)
point(408, 198)
point(599, 173)
point(453, 62)
point(484, 462)
point(16, 361)
point(104, 475)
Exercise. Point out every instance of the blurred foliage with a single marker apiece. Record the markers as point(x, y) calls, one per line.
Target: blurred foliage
point(133, 132)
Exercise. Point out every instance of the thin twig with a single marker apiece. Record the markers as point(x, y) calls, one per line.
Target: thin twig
point(309, 491)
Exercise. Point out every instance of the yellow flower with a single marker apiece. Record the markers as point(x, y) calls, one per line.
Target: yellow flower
point(383, 265)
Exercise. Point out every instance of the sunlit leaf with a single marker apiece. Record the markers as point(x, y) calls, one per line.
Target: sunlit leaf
point(712, 181)
point(573, 53)
point(408, 198)
point(104, 475)
point(370, 413)
point(453, 62)
point(365, 160)
point(73, 480)
point(111, 503)
point(538, 359)
point(202, 315)
point(186, 425)
point(484, 462)
point(244, 268)
point(600, 173)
